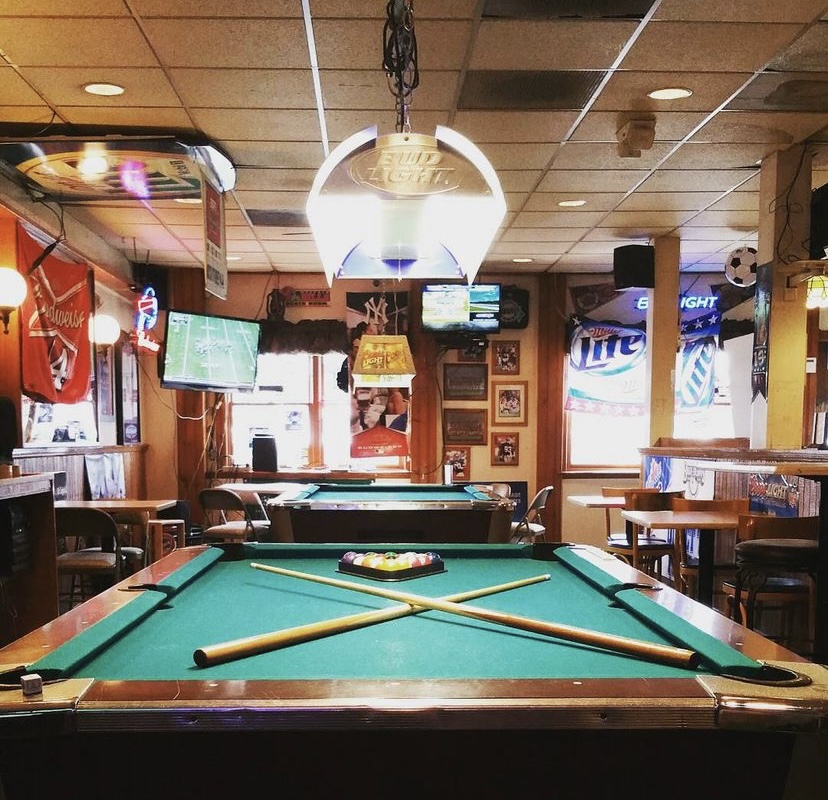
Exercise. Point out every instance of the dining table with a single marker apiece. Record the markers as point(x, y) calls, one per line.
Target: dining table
point(705, 522)
point(146, 508)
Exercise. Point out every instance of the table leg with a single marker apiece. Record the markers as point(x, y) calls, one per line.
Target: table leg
point(706, 566)
point(821, 588)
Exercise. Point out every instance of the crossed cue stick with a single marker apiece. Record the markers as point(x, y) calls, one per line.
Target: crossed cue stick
point(415, 604)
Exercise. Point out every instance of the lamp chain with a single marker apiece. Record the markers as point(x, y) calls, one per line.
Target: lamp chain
point(400, 57)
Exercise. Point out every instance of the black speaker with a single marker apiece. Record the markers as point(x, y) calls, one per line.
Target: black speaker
point(633, 266)
point(144, 275)
point(264, 454)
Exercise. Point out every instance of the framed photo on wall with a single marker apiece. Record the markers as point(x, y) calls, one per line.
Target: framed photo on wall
point(459, 458)
point(465, 382)
point(465, 426)
point(506, 358)
point(509, 402)
point(505, 449)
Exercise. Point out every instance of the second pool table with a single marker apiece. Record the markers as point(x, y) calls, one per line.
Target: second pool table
point(412, 513)
point(441, 705)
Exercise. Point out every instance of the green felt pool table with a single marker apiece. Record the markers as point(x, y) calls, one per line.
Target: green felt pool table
point(411, 513)
point(437, 700)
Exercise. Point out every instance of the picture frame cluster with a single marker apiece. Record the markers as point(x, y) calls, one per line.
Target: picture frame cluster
point(468, 379)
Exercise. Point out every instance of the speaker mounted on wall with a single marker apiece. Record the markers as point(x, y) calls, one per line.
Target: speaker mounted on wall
point(633, 266)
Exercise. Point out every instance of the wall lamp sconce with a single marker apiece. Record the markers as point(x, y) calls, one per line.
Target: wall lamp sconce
point(104, 329)
point(12, 293)
point(813, 274)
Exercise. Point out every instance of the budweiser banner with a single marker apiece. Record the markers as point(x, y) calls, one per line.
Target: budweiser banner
point(56, 359)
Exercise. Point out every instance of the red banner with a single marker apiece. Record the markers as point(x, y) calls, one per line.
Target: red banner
point(56, 358)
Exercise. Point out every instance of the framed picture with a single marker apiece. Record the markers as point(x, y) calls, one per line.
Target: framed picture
point(465, 382)
point(506, 358)
point(459, 458)
point(127, 406)
point(509, 402)
point(464, 426)
point(505, 449)
point(474, 352)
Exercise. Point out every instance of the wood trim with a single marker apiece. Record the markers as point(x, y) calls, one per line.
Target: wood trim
point(426, 453)
point(551, 352)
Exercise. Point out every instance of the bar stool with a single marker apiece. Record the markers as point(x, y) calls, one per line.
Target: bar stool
point(769, 548)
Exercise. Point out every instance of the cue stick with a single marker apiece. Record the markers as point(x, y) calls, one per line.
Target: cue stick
point(675, 656)
point(260, 643)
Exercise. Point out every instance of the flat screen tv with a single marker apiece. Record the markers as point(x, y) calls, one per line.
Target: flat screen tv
point(457, 308)
point(209, 353)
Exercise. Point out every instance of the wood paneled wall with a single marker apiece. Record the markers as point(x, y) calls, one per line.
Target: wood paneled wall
point(71, 461)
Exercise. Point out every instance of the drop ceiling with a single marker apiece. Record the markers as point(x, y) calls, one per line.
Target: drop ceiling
point(541, 87)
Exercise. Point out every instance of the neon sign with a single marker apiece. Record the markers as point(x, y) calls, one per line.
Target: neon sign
point(146, 317)
point(688, 301)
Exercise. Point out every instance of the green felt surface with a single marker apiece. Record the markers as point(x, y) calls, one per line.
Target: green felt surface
point(381, 493)
point(213, 601)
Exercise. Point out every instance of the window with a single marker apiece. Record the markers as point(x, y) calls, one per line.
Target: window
point(298, 401)
point(604, 440)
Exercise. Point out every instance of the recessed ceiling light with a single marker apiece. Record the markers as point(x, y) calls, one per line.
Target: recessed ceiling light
point(188, 201)
point(234, 258)
point(572, 203)
point(103, 89)
point(522, 260)
point(669, 93)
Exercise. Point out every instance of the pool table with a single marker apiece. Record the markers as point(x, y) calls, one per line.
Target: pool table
point(441, 704)
point(403, 513)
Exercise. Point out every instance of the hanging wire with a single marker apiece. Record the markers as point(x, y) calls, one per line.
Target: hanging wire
point(399, 57)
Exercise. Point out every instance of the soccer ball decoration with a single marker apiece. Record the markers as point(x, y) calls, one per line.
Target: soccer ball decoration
point(740, 266)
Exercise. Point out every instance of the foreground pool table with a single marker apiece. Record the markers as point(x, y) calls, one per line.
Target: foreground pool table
point(414, 513)
point(441, 704)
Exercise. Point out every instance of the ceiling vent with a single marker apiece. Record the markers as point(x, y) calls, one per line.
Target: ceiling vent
point(274, 218)
point(528, 90)
point(567, 9)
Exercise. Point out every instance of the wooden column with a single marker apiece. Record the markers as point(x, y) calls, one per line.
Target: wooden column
point(426, 428)
point(784, 228)
point(187, 294)
point(10, 374)
point(663, 337)
point(550, 370)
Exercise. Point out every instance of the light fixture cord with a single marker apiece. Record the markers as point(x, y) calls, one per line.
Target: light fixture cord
point(399, 57)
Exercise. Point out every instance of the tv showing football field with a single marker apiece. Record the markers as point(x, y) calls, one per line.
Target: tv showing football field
point(209, 353)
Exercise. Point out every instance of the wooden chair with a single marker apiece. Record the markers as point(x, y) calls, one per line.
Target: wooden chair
point(642, 549)
point(776, 561)
point(132, 527)
point(530, 526)
point(89, 552)
point(686, 563)
point(227, 518)
point(619, 491)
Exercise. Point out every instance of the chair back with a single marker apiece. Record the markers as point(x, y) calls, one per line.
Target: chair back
point(739, 505)
point(767, 526)
point(647, 500)
point(619, 491)
point(87, 527)
point(227, 505)
point(534, 513)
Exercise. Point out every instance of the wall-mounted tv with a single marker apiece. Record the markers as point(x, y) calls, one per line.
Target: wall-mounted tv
point(457, 308)
point(209, 353)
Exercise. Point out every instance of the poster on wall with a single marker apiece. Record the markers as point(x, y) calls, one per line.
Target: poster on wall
point(379, 415)
point(761, 317)
point(56, 352)
point(773, 494)
point(607, 368)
